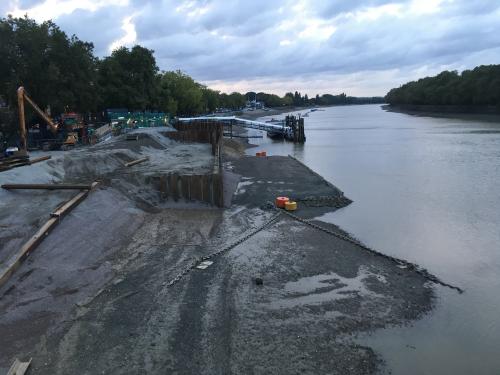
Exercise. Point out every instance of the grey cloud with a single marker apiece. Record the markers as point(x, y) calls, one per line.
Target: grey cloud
point(471, 8)
point(158, 19)
point(329, 9)
point(100, 28)
point(25, 4)
point(5, 6)
point(238, 40)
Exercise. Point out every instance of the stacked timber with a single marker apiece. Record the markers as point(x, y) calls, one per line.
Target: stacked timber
point(19, 161)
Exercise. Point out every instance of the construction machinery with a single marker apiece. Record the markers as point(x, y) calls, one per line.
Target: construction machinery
point(62, 138)
point(75, 128)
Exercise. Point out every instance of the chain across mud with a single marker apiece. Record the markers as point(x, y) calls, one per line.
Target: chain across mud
point(399, 262)
point(242, 239)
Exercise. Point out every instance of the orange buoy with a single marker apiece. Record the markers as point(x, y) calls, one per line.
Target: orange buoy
point(290, 206)
point(280, 201)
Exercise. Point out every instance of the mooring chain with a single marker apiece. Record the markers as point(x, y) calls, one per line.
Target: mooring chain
point(400, 262)
point(319, 198)
point(327, 200)
point(197, 261)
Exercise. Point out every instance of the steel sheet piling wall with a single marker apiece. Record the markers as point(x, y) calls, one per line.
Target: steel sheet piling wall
point(206, 188)
point(204, 131)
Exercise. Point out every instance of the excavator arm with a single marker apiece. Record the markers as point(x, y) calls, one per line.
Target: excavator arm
point(21, 97)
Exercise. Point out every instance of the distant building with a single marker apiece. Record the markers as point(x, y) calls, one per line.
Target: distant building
point(254, 104)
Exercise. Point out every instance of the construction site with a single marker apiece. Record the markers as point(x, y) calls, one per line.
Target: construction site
point(165, 250)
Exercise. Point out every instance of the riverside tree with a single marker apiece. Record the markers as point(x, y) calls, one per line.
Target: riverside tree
point(128, 78)
point(59, 71)
point(477, 87)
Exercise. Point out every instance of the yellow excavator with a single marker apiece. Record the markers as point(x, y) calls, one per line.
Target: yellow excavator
point(22, 96)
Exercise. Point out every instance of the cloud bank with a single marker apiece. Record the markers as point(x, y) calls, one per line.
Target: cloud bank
point(360, 47)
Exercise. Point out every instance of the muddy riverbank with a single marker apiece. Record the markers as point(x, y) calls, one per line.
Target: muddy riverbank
point(469, 113)
point(102, 292)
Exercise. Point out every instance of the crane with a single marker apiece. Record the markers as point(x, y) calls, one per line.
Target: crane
point(21, 97)
point(64, 136)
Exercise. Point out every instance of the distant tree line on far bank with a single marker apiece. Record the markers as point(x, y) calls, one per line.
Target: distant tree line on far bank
point(477, 87)
point(62, 73)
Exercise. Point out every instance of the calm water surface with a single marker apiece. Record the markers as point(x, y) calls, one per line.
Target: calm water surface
point(426, 190)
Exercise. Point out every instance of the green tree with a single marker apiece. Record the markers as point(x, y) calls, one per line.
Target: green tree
point(210, 99)
point(54, 69)
point(477, 87)
point(180, 94)
point(129, 78)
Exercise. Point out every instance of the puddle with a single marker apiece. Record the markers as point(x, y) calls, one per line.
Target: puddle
point(240, 189)
point(324, 288)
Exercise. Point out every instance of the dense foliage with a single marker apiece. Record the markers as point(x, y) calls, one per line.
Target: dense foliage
point(477, 87)
point(61, 73)
point(57, 70)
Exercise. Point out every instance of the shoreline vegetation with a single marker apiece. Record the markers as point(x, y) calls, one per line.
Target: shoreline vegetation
point(479, 114)
point(471, 93)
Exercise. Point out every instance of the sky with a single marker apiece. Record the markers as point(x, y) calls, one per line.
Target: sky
point(360, 47)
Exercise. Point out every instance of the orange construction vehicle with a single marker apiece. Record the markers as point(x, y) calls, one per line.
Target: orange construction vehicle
point(69, 139)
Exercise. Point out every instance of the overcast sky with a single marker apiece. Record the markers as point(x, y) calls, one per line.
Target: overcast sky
point(361, 47)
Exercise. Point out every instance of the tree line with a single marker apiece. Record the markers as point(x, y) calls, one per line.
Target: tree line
point(477, 87)
point(62, 72)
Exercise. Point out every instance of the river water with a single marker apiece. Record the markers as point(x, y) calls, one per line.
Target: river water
point(426, 190)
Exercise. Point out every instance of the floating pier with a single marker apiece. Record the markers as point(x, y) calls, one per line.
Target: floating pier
point(291, 128)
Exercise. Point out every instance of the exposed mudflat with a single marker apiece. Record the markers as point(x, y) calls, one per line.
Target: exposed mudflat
point(95, 295)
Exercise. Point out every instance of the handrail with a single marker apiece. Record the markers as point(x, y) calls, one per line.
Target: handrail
point(252, 124)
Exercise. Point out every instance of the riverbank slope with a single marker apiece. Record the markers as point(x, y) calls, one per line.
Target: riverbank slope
point(113, 288)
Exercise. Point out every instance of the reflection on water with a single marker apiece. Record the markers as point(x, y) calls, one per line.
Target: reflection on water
point(426, 190)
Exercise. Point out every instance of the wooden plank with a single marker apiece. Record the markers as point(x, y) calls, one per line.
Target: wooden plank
point(18, 367)
point(41, 158)
point(47, 186)
point(72, 203)
point(69, 205)
point(134, 162)
point(132, 137)
point(6, 167)
point(15, 261)
point(14, 162)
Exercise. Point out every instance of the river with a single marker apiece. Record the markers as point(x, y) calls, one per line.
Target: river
point(426, 190)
